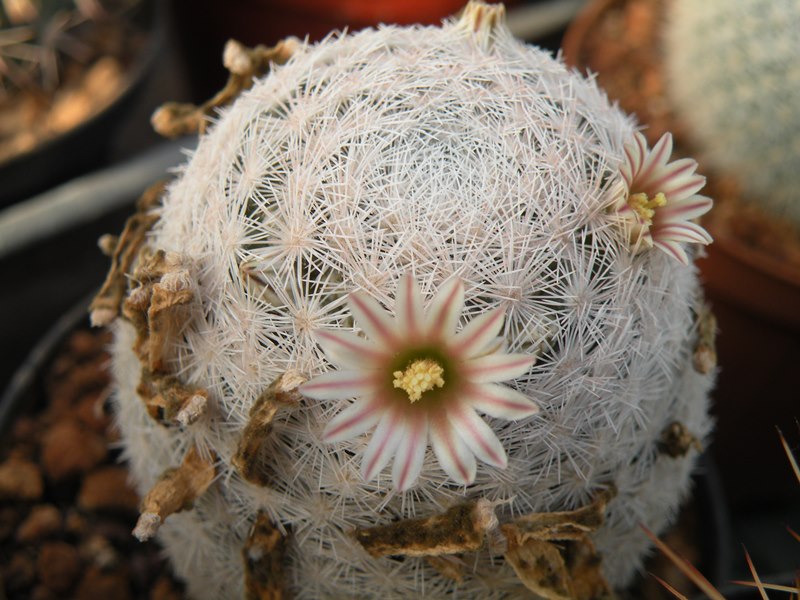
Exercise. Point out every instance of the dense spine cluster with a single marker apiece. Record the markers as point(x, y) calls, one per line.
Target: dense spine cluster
point(433, 153)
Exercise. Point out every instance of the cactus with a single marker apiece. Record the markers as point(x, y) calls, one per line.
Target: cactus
point(733, 74)
point(41, 41)
point(413, 288)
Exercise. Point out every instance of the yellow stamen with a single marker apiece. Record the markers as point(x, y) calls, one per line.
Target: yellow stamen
point(646, 207)
point(419, 377)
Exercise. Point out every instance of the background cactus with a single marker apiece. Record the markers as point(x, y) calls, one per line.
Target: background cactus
point(437, 152)
point(733, 71)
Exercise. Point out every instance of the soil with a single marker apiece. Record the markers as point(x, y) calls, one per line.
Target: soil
point(620, 42)
point(66, 509)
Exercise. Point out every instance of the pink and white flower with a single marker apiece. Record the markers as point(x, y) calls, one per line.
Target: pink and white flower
point(416, 380)
point(660, 198)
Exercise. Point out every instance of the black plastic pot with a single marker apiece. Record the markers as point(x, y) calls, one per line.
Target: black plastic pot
point(86, 146)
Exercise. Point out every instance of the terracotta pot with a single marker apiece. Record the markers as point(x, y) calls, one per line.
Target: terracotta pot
point(754, 293)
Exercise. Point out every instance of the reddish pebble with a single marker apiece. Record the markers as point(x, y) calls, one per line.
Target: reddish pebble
point(69, 449)
point(20, 479)
point(43, 520)
point(58, 566)
point(97, 583)
point(107, 488)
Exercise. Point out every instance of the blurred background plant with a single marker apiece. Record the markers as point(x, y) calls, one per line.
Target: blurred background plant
point(61, 61)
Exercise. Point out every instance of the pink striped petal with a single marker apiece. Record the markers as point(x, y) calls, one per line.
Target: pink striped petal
point(497, 345)
point(375, 322)
point(673, 249)
point(672, 178)
point(454, 456)
point(385, 440)
point(360, 416)
point(337, 385)
point(348, 350)
point(685, 209)
point(681, 188)
point(501, 401)
point(408, 307)
point(410, 453)
point(497, 367)
point(445, 309)
point(682, 231)
point(477, 435)
point(653, 161)
point(479, 333)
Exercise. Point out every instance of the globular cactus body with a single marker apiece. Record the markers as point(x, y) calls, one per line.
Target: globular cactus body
point(436, 154)
point(733, 74)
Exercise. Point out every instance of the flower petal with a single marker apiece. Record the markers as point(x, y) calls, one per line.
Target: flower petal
point(445, 309)
point(477, 435)
point(408, 307)
point(374, 321)
point(653, 163)
point(479, 333)
point(347, 350)
point(677, 180)
point(454, 456)
point(360, 416)
point(410, 453)
point(682, 231)
point(685, 209)
point(338, 385)
point(385, 440)
point(497, 367)
point(673, 249)
point(501, 401)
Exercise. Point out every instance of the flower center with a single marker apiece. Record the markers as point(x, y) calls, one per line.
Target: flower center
point(646, 207)
point(419, 377)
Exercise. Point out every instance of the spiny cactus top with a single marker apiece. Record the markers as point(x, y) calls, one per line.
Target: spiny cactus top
point(483, 278)
point(733, 70)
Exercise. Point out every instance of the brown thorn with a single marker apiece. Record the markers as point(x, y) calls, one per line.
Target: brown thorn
point(106, 305)
point(264, 556)
point(281, 392)
point(676, 440)
point(245, 64)
point(462, 528)
point(176, 490)
point(704, 357)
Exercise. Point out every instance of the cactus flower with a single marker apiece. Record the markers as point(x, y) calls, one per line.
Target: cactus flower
point(418, 381)
point(661, 199)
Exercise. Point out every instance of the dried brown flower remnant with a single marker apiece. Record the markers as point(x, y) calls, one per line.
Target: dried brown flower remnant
point(175, 491)
point(245, 64)
point(158, 304)
point(106, 305)
point(553, 555)
point(282, 391)
point(169, 400)
point(704, 358)
point(263, 555)
point(462, 528)
point(676, 440)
